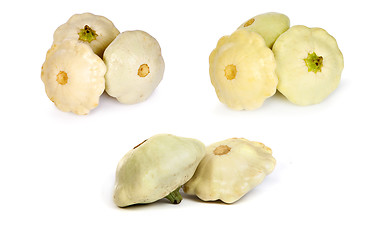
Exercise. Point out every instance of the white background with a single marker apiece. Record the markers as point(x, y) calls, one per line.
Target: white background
point(57, 169)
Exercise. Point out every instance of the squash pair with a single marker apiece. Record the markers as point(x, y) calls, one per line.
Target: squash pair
point(158, 167)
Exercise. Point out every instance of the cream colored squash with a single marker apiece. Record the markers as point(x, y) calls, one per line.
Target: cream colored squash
point(230, 169)
point(135, 66)
point(309, 64)
point(96, 31)
point(269, 25)
point(156, 169)
point(242, 70)
point(73, 76)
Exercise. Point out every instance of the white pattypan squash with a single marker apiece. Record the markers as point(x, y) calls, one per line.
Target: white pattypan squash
point(230, 169)
point(156, 169)
point(242, 70)
point(73, 76)
point(309, 64)
point(135, 66)
point(96, 31)
point(269, 25)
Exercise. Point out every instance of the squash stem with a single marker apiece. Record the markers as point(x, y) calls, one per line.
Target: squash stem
point(87, 34)
point(175, 196)
point(314, 62)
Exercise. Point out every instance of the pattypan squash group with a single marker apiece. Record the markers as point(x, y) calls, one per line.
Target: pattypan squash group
point(89, 55)
point(307, 63)
point(75, 74)
point(263, 55)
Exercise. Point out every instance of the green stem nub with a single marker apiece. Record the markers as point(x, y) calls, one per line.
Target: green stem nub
point(87, 34)
point(314, 62)
point(175, 196)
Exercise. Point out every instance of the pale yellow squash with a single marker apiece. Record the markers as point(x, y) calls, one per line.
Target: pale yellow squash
point(96, 31)
point(269, 25)
point(156, 169)
point(230, 169)
point(242, 70)
point(309, 64)
point(135, 67)
point(73, 76)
